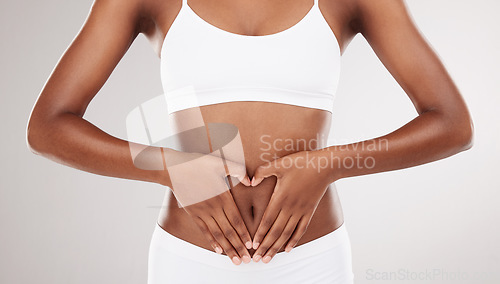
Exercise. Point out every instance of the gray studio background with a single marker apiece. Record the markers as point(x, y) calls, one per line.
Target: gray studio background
point(437, 222)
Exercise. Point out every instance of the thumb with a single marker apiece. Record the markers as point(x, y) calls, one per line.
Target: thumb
point(266, 170)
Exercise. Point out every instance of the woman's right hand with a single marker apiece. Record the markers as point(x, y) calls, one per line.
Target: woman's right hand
point(220, 221)
point(199, 184)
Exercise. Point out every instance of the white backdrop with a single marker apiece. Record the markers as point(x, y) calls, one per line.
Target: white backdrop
point(435, 223)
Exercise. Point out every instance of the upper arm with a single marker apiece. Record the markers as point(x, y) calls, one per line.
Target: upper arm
point(390, 31)
point(109, 30)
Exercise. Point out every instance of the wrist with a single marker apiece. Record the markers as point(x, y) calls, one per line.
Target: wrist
point(329, 164)
point(162, 176)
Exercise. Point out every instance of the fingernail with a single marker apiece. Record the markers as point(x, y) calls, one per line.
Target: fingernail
point(288, 249)
point(266, 259)
point(218, 250)
point(253, 181)
point(255, 245)
point(236, 260)
point(256, 258)
point(248, 244)
point(246, 259)
point(249, 182)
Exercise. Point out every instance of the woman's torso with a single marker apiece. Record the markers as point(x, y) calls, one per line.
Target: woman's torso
point(260, 122)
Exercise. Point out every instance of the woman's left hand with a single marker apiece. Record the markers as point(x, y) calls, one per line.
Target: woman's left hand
point(302, 180)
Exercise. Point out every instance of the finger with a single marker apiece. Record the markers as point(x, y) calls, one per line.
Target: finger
point(285, 236)
point(267, 221)
point(238, 171)
point(232, 236)
point(234, 217)
point(263, 171)
point(206, 232)
point(271, 236)
point(221, 239)
point(299, 232)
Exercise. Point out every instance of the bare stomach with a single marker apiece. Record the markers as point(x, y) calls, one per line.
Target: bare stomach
point(267, 131)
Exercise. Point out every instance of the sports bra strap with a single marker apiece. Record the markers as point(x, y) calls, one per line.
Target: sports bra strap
point(315, 3)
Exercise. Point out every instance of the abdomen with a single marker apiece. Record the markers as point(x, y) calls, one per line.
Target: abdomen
point(268, 131)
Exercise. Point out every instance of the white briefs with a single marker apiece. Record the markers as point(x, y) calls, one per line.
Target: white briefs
point(324, 260)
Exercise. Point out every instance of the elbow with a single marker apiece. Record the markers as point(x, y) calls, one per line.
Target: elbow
point(456, 129)
point(469, 135)
point(39, 131)
point(42, 129)
point(36, 132)
point(463, 134)
point(32, 140)
point(469, 142)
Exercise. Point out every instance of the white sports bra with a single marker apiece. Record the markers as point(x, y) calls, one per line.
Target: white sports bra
point(202, 64)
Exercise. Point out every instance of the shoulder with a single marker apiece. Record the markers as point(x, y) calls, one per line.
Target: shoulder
point(373, 15)
point(369, 8)
point(134, 12)
point(118, 6)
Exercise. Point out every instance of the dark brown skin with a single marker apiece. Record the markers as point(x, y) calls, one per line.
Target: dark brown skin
point(58, 131)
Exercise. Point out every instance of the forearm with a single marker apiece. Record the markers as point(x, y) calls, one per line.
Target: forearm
point(73, 141)
point(428, 137)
